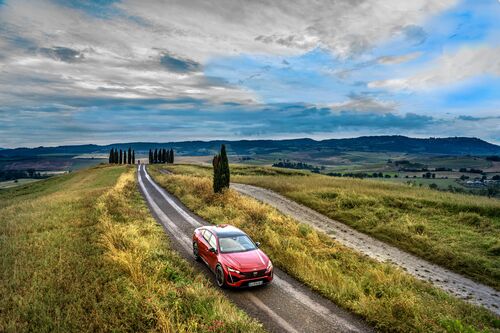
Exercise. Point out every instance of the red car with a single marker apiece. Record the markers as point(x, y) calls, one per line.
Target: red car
point(234, 258)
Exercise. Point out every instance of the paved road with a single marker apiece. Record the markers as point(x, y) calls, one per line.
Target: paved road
point(283, 306)
point(455, 284)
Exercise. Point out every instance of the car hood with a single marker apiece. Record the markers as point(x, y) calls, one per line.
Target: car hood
point(246, 261)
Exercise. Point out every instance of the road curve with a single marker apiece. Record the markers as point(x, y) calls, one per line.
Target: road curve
point(283, 306)
point(453, 283)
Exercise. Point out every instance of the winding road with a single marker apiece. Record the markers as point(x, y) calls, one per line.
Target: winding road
point(453, 283)
point(283, 306)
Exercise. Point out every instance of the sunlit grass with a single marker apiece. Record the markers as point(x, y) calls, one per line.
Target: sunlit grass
point(81, 252)
point(387, 297)
point(457, 231)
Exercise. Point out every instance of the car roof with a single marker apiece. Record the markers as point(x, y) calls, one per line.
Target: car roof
point(225, 230)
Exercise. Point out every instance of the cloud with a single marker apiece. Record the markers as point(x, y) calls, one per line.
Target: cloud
point(179, 65)
point(415, 34)
point(472, 118)
point(467, 62)
point(62, 53)
point(393, 60)
point(364, 103)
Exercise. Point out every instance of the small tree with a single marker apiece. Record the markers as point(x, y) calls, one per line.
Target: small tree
point(133, 156)
point(225, 176)
point(221, 170)
point(216, 164)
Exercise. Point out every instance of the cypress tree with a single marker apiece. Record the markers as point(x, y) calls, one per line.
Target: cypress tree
point(133, 156)
point(111, 156)
point(121, 157)
point(150, 157)
point(155, 156)
point(163, 155)
point(171, 155)
point(216, 164)
point(221, 170)
point(116, 156)
point(129, 156)
point(124, 157)
point(225, 174)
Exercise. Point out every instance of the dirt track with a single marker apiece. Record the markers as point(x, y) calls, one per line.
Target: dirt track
point(455, 284)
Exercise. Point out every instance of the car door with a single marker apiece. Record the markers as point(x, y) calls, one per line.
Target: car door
point(203, 245)
point(212, 257)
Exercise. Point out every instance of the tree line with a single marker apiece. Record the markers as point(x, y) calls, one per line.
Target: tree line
point(121, 156)
point(161, 155)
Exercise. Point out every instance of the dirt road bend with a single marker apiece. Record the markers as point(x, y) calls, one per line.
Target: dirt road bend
point(283, 306)
point(453, 283)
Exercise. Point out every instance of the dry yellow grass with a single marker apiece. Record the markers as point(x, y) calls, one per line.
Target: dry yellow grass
point(81, 253)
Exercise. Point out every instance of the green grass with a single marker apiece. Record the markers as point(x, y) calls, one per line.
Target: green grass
point(384, 295)
point(80, 252)
point(19, 182)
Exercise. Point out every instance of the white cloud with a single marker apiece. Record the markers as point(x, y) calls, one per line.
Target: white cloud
point(392, 60)
point(466, 63)
point(52, 49)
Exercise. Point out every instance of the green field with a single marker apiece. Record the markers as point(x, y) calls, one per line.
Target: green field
point(80, 252)
point(17, 182)
point(384, 295)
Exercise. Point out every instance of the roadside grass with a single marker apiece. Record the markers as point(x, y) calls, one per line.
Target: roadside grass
point(384, 295)
point(457, 231)
point(80, 252)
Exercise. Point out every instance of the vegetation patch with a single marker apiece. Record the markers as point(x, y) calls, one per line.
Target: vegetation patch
point(80, 252)
point(386, 296)
point(459, 229)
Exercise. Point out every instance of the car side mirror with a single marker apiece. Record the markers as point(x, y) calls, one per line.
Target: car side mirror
point(257, 243)
point(213, 250)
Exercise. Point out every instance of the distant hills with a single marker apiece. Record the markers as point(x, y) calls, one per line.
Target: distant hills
point(396, 143)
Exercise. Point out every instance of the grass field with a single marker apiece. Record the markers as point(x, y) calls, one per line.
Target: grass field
point(80, 252)
point(387, 297)
point(19, 182)
point(460, 232)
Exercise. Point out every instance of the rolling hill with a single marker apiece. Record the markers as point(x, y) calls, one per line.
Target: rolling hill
point(396, 143)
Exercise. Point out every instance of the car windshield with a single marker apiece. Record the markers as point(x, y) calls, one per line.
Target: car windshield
point(240, 243)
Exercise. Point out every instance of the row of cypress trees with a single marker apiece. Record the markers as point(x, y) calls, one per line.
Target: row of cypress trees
point(161, 155)
point(221, 170)
point(121, 157)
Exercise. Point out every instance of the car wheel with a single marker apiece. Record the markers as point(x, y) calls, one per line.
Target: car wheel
point(219, 276)
point(196, 252)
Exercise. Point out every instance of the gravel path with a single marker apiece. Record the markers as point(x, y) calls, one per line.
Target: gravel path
point(453, 283)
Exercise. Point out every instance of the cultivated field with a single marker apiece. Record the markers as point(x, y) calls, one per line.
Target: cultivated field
point(80, 252)
point(387, 297)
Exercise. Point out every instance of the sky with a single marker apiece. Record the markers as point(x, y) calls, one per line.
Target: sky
point(107, 71)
